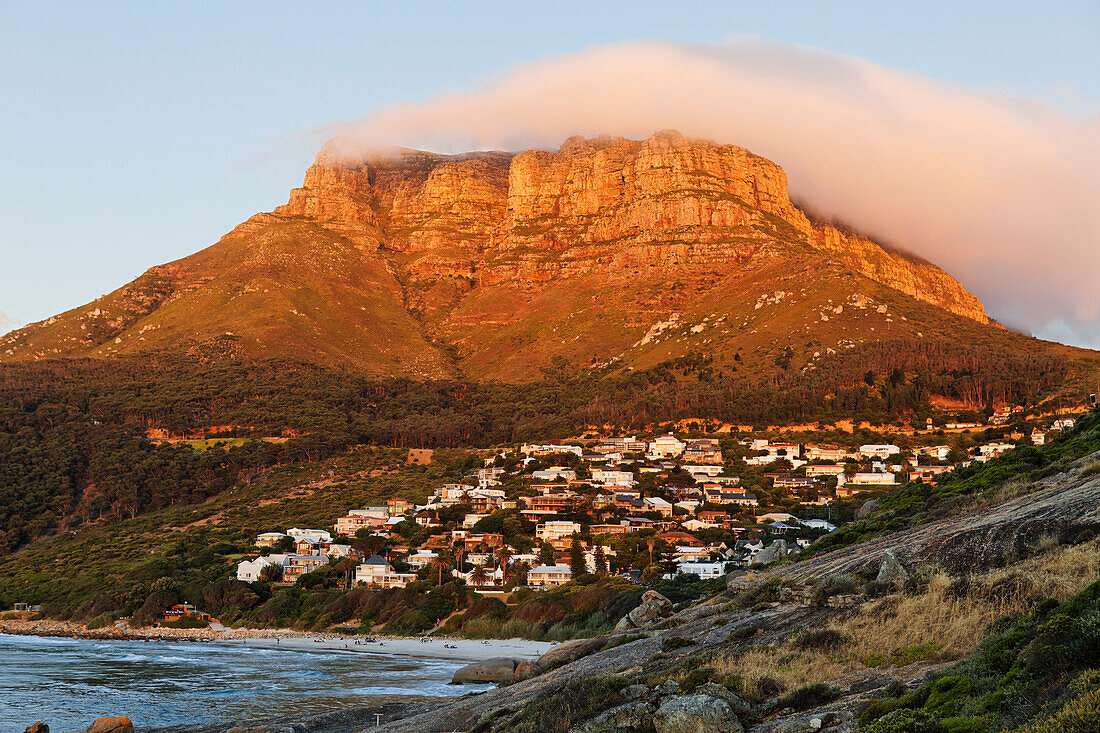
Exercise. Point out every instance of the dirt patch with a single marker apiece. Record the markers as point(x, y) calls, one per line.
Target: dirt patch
point(419, 456)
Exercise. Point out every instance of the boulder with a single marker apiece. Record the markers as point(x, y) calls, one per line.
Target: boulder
point(525, 670)
point(652, 607)
point(634, 692)
point(38, 727)
point(497, 669)
point(867, 508)
point(739, 706)
point(116, 724)
point(571, 651)
point(668, 687)
point(891, 571)
point(695, 714)
point(775, 551)
point(632, 716)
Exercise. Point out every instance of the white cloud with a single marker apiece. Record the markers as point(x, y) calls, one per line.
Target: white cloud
point(1004, 194)
point(7, 323)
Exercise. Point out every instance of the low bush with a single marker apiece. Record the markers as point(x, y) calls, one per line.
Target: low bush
point(822, 639)
point(742, 632)
point(809, 696)
point(675, 642)
point(834, 585)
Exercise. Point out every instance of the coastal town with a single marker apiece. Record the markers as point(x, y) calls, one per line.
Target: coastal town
point(645, 509)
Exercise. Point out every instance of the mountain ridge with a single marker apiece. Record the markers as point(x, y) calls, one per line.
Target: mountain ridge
point(491, 264)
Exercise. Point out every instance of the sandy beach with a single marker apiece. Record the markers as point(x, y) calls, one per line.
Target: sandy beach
point(438, 648)
point(435, 647)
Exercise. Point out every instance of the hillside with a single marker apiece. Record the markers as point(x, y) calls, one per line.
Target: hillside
point(492, 266)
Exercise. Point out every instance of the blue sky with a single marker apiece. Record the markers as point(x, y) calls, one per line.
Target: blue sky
point(132, 134)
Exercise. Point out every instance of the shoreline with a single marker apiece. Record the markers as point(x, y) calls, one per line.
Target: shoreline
point(456, 649)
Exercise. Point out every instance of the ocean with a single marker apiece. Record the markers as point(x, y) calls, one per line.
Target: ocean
point(68, 683)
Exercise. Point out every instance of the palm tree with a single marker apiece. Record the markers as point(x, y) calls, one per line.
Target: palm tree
point(503, 555)
point(478, 575)
point(651, 542)
point(440, 564)
point(518, 570)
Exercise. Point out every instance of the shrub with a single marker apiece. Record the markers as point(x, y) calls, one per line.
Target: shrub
point(822, 639)
point(185, 622)
point(101, 621)
point(809, 696)
point(696, 677)
point(675, 642)
point(742, 632)
point(765, 592)
point(769, 687)
point(834, 585)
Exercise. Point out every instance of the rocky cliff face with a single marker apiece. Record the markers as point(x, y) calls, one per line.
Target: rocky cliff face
point(576, 253)
point(596, 205)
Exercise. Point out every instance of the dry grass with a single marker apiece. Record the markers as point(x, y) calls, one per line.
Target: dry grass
point(942, 623)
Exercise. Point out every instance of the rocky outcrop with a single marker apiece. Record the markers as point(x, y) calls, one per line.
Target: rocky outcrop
point(115, 724)
point(495, 670)
point(38, 727)
point(653, 607)
point(900, 271)
point(695, 714)
point(891, 572)
point(777, 550)
point(636, 715)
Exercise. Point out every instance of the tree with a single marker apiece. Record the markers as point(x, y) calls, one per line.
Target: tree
point(577, 566)
point(479, 575)
point(440, 564)
point(601, 561)
point(503, 556)
point(271, 573)
point(651, 542)
point(546, 554)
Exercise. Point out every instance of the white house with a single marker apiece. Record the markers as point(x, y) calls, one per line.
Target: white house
point(831, 470)
point(556, 530)
point(657, 504)
point(703, 470)
point(878, 451)
point(420, 558)
point(666, 446)
point(248, 571)
point(546, 450)
point(548, 575)
point(704, 570)
point(269, 539)
point(819, 524)
point(313, 535)
point(376, 571)
point(555, 473)
point(875, 478)
point(612, 478)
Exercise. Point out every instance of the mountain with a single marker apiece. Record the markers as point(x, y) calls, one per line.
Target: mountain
point(492, 266)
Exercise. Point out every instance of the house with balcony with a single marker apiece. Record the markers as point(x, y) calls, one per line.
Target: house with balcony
point(377, 572)
point(548, 575)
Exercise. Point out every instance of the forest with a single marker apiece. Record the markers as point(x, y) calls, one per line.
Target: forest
point(75, 447)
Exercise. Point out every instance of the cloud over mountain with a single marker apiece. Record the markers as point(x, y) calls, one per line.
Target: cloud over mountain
point(1000, 192)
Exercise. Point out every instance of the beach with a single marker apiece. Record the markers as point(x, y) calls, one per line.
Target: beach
point(437, 647)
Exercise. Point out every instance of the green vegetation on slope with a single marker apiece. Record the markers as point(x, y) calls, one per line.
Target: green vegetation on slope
point(1041, 669)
